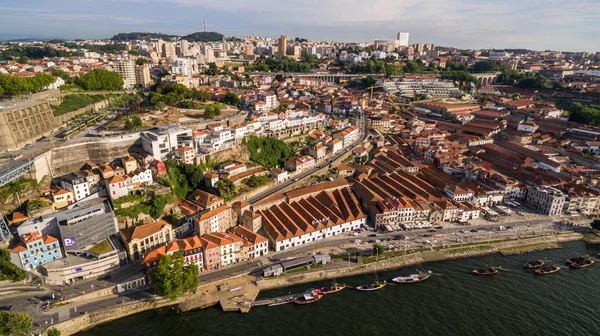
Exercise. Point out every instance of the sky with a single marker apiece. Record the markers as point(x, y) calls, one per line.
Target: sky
point(568, 25)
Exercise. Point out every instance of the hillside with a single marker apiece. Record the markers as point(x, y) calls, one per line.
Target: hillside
point(203, 37)
point(140, 36)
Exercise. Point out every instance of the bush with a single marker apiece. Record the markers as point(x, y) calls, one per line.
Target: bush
point(74, 102)
point(268, 152)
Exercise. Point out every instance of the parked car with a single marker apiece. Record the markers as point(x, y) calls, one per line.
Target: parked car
point(373, 235)
point(6, 307)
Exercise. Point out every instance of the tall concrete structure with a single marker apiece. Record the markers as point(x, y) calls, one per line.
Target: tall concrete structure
point(127, 70)
point(402, 39)
point(183, 66)
point(24, 122)
point(282, 47)
point(205, 29)
point(142, 75)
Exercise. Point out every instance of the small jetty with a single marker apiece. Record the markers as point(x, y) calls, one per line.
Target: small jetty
point(276, 301)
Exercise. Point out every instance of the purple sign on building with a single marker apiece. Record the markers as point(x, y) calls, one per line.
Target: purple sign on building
point(69, 241)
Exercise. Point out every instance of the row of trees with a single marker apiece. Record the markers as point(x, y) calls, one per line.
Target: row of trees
point(111, 48)
point(172, 94)
point(36, 52)
point(268, 152)
point(13, 85)
point(281, 64)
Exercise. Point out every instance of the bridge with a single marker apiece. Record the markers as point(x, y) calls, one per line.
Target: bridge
point(487, 78)
point(14, 169)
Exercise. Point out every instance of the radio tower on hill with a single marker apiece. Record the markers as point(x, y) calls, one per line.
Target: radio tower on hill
point(205, 25)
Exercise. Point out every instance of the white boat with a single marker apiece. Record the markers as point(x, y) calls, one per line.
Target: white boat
point(413, 278)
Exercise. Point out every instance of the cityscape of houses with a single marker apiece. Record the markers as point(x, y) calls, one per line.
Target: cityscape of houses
point(405, 151)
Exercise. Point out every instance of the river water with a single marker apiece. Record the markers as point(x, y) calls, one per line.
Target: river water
point(513, 302)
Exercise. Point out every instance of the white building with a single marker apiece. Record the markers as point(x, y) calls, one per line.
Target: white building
point(184, 67)
point(402, 40)
point(162, 141)
point(126, 69)
point(77, 184)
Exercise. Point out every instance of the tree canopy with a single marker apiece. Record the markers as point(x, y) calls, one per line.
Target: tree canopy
point(8, 270)
point(280, 64)
point(14, 51)
point(184, 177)
point(171, 278)
point(203, 37)
point(536, 81)
point(231, 99)
point(585, 114)
point(13, 85)
point(15, 323)
point(268, 152)
point(100, 79)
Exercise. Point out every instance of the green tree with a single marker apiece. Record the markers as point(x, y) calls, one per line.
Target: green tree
point(61, 73)
point(14, 323)
point(133, 52)
point(141, 61)
point(100, 79)
point(23, 59)
point(268, 152)
point(53, 332)
point(157, 205)
point(137, 121)
point(129, 124)
point(378, 249)
point(226, 189)
point(160, 105)
point(171, 279)
point(595, 224)
point(516, 96)
point(231, 99)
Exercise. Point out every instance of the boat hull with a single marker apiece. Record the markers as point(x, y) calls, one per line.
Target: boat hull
point(547, 272)
point(408, 280)
point(302, 301)
point(370, 289)
point(326, 290)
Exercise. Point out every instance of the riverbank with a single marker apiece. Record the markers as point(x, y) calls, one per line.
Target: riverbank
point(225, 293)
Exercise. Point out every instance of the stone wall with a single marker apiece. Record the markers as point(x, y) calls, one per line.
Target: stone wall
point(70, 158)
point(385, 265)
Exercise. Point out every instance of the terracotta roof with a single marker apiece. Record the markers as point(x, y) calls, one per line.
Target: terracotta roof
point(143, 231)
point(214, 212)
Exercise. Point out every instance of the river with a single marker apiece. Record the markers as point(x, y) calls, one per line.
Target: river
point(513, 302)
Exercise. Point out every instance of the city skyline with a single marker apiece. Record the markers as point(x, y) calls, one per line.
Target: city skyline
point(555, 25)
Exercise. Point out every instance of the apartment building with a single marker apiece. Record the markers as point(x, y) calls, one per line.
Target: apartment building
point(34, 250)
point(547, 200)
point(161, 142)
point(191, 249)
point(77, 184)
point(185, 154)
point(126, 69)
point(142, 76)
point(301, 163)
point(229, 248)
point(217, 220)
point(140, 240)
point(256, 244)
